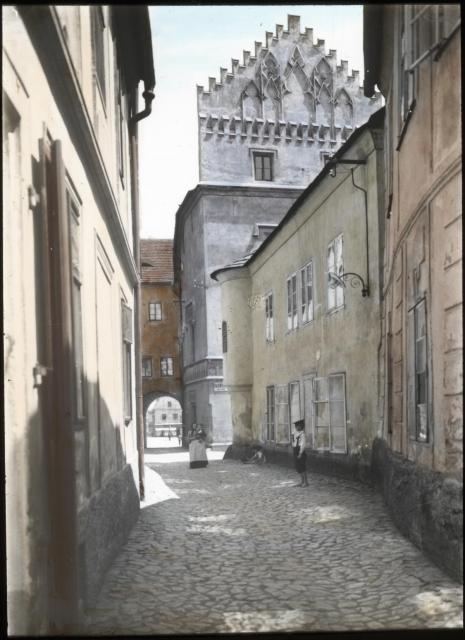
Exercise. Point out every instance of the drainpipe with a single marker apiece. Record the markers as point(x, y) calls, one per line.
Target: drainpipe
point(365, 193)
point(148, 97)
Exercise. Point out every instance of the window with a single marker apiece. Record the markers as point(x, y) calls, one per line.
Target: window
point(166, 366)
point(270, 417)
point(176, 416)
point(429, 26)
point(335, 270)
point(308, 408)
point(163, 416)
point(294, 402)
point(292, 302)
point(98, 47)
point(263, 166)
point(282, 414)
point(269, 325)
point(126, 321)
point(418, 374)
point(329, 429)
point(306, 292)
point(76, 303)
point(224, 335)
point(154, 310)
point(325, 157)
point(119, 123)
point(169, 403)
point(424, 29)
point(147, 367)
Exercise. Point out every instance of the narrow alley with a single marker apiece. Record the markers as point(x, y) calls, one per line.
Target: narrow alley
point(236, 548)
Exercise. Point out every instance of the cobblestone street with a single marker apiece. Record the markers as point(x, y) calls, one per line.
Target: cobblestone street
point(236, 548)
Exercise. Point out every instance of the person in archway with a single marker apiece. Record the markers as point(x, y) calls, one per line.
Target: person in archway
point(198, 451)
point(300, 457)
point(179, 435)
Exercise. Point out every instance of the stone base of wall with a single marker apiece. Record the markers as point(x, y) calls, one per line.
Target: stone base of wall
point(426, 506)
point(104, 526)
point(342, 466)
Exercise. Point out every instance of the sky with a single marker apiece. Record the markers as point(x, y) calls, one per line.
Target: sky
point(190, 44)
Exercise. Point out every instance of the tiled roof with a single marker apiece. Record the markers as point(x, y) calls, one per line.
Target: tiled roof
point(156, 259)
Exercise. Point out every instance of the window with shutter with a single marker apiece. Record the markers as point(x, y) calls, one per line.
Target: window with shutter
point(282, 414)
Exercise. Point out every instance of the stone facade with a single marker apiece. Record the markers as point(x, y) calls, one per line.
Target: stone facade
point(421, 352)
point(310, 352)
point(265, 131)
point(160, 323)
point(70, 83)
point(290, 99)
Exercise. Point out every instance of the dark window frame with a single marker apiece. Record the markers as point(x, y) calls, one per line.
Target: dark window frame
point(147, 360)
point(263, 173)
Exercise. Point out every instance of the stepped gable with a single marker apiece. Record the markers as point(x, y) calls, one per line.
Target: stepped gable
point(288, 89)
point(156, 259)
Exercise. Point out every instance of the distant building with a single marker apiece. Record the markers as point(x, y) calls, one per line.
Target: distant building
point(300, 317)
point(70, 245)
point(412, 53)
point(164, 417)
point(265, 131)
point(160, 326)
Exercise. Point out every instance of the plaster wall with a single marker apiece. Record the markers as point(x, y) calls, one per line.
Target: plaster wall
point(160, 338)
point(423, 234)
point(343, 341)
point(105, 445)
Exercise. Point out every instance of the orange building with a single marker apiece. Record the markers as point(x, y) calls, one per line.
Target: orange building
point(160, 324)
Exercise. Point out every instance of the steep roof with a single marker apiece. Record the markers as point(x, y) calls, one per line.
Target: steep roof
point(156, 259)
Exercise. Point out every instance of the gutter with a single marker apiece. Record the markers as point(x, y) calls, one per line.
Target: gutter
point(134, 158)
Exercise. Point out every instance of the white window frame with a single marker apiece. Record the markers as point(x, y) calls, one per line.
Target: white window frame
point(330, 427)
point(269, 317)
point(306, 291)
point(282, 414)
point(295, 410)
point(336, 267)
point(292, 302)
point(308, 407)
point(158, 314)
point(270, 414)
point(166, 366)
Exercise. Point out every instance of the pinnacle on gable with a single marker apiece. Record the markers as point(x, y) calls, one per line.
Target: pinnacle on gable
point(258, 48)
point(309, 34)
point(246, 57)
point(293, 24)
point(320, 43)
point(223, 74)
point(211, 84)
point(269, 38)
point(332, 53)
point(279, 30)
point(234, 65)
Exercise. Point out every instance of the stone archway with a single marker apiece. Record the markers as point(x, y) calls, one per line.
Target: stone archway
point(150, 397)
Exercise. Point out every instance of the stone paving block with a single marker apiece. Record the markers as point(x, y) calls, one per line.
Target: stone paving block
point(231, 548)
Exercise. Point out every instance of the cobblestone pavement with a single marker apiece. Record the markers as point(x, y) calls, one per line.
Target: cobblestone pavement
point(236, 548)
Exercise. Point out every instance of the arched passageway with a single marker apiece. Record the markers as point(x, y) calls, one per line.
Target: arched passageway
point(163, 421)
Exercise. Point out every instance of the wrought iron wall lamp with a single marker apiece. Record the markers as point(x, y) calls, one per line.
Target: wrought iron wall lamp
point(355, 279)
